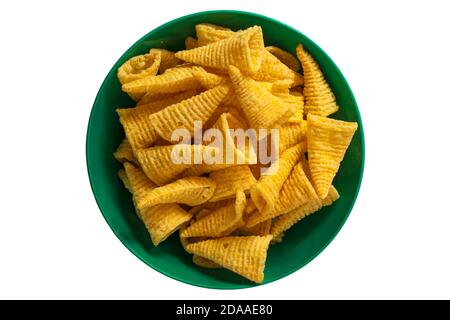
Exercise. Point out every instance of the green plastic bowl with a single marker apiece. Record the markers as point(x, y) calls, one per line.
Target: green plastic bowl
point(301, 244)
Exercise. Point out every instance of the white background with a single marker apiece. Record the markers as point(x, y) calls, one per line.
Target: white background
point(54, 243)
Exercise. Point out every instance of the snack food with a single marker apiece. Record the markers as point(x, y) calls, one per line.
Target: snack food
point(216, 145)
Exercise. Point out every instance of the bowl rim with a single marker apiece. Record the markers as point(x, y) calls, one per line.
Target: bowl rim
point(174, 276)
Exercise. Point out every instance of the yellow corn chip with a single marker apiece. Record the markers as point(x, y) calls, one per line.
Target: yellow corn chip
point(123, 176)
point(202, 213)
point(163, 164)
point(160, 220)
point(168, 100)
point(173, 80)
point(228, 157)
point(285, 57)
point(273, 69)
point(199, 169)
point(286, 221)
point(297, 102)
point(184, 241)
point(231, 179)
point(319, 98)
point(221, 109)
point(279, 86)
point(124, 152)
point(262, 108)
point(138, 184)
point(260, 229)
point(233, 153)
point(163, 220)
point(209, 33)
point(204, 263)
point(243, 255)
point(331, 197)
point(328, 139)
point(219, 72)
point(218, 204)
point(290, 135)
point(139, 67)
point(206, 79)
point(205, 208)
point(190, 43)
point(191, 191)
point(296, 191)
point(231, 100)
point(168, 59)
point(236, 115)
point(220, 222)
point(154, 96)
point(185, 113)
point(266, 191)
point(186, 65)
point(138, 129)
point(244, 50)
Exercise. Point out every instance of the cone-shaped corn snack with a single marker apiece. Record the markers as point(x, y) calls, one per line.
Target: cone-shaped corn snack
point(219, 222)
point(319, 98)
point(285, 57)
point(231, 179)
point(244, 50)
point(124, 152)
point(185, 113)
point(173, 80)
point(207, 80)
point(296, 191)
point(260, 229)
point(163, 164)
point(204, 263)
point(296, 100)
point(243, 255)
point(328, 139)
point(266, 191)
point(273, 69)
point(191, 191)
point(138, 67)
point(290, 135)
point(262, 108)
point(138, 129)
point(155, 96)
point(160, 220)
point(209, 33)
point(286, 221)
point(168, 59)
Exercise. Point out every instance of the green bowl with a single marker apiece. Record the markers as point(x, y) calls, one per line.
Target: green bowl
point(301, 244)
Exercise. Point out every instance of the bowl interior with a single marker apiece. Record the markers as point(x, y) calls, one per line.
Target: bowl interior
point(301, 243)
